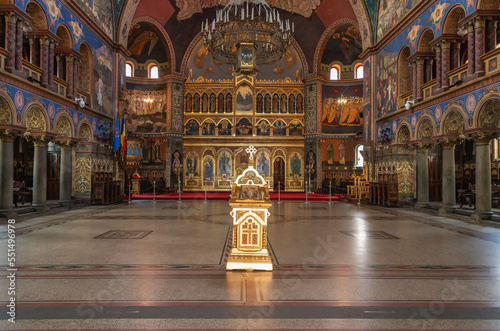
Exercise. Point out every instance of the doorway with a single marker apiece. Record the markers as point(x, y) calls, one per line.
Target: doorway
point(279, 173)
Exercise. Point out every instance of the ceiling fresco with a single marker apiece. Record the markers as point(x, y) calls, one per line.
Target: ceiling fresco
point(344, 45)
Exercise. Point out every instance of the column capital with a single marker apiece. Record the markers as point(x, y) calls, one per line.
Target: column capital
point(470, 26)
point(420, 147)
point(9, 134)
point(69, 57)
point(53, 44)
point(437, 48)
point(449, 143)
point(45, 40)
point(20, 22)
point(482, 138)
point(479, 22)
point(10, 17)
point(66, 143)
point(445, 44)
point(41, 140)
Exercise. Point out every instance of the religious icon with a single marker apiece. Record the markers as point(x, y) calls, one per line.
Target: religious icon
point(329, 148)
point(224, 164)
point(208, 169)
point(263, 164)
point(295, 166)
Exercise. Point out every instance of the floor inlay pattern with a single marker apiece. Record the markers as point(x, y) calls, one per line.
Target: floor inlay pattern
point(123, 234)
point(368, 234)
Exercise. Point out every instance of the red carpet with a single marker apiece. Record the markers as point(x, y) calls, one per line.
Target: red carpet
point(223, 195)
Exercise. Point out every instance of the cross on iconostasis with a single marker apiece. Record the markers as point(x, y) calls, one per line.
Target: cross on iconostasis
point(252, 151)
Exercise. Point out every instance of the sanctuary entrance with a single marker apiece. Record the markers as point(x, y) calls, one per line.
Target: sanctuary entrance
point(279, 173)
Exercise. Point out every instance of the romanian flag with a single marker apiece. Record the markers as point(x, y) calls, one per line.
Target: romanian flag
point(123, 136)
point(116, 140)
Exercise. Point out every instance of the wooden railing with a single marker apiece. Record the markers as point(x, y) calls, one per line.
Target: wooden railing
point(429, 89)
point(491, 60)
point(62, 85)
point(457, 74)
point(32, 70)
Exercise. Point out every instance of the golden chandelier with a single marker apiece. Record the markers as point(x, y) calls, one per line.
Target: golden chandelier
point(250, 22)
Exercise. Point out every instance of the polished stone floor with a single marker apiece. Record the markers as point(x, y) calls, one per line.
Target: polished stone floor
point(337, 267)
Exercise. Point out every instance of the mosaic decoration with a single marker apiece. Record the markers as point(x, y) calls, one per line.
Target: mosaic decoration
point(426, 130)
point(63, 127)
point(145, 116)
point(123, 234)
point(405, 177)
point(404, 135)
point(311, 108)
point(51, 110)
point(471, 103)
point(177, 116)
point(368, 235)
point(84, 133)
point(83, 173)
point(454, 123)
point(35, 121)
point(5, 115)
point(100, 11)
point(19, 100)
point(489, 115)
point(188, 8)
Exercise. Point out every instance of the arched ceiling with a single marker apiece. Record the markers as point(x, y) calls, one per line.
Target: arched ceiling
point(311, 18)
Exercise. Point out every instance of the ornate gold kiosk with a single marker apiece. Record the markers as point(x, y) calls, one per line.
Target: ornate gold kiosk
point(250, 202)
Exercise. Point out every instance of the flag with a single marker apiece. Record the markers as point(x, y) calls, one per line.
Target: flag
point(116, 141)
point(123, 136)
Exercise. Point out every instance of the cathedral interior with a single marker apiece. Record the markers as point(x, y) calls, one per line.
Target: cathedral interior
point(370, 119)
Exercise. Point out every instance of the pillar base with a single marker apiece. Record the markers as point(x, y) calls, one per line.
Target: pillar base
point(422, 205)
point(447, 209)
point(479, 216)
point(7, 213)
point(67, 203)
point(43, 208)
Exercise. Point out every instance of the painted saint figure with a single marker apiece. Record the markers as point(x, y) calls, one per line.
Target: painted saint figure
point(295, 166)
point(208, 169)
point(263, 164)
point(224, 164)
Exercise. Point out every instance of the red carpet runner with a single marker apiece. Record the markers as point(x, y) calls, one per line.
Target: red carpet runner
point(223, 195)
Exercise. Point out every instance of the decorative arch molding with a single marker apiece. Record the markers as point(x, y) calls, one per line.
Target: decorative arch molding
point(446, 117)
point(424, 38)
point(423, 130)
point(126, 21)
point(69, 36)
point(61, 116)
point(324, 40)
point(448, 17)
point(487, 4)
point(7, 109)
point(362, 16)
point(163, 35)
point(84, 134)
point(401, 137)
point(485, 116)
point(196, 40)
point(41, 25)
point(45, 117)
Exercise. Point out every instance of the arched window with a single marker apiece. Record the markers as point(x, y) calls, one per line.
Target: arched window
point(153, 71)
point(358, 156)
point(129, 69)
point(334, 73)
point(358, 71)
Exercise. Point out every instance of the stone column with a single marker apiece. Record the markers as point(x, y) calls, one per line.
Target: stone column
point(34, 58)
point(66, 173)
point(428, 70)
point(19, 45)
point(483, 178)
point(420, 78)
point(10, 40)
point(437, 49)
point(445, 64)
point(69, 76)
point(44, 59)
point(479, 25)
point(414, 80)
point(75, 76)
point(491, 30)
point(40, 174)
point(52, 46)
point(470, 49)
point(6, 174)
point(448, 180)
point(455, 55)
point(422, 177)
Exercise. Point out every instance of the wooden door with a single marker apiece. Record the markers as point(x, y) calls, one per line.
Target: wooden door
point(279, 173)
point(53, 166)
point(435, 181)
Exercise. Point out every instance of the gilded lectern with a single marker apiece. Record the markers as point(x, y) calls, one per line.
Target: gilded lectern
point(250, 203)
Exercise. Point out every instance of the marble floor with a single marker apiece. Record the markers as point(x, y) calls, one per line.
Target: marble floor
point(160, 266)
